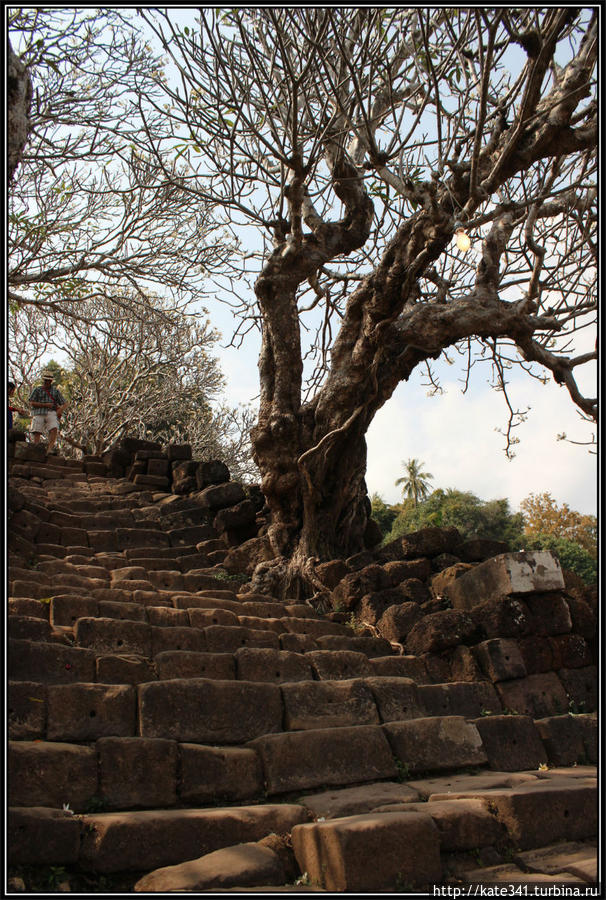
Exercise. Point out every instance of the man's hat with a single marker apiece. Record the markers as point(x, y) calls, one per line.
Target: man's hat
point(47, 375)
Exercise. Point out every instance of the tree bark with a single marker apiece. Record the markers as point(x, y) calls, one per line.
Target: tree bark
point(19, 98)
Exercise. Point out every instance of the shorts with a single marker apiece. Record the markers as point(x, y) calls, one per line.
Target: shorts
point(44, 422)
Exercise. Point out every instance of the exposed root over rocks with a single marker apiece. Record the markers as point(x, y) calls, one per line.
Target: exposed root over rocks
point(294, 579)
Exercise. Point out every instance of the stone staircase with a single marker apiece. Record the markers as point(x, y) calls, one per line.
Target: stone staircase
point(171, 730)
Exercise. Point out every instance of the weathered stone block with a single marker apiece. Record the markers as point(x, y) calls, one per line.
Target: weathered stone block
point(327, 704)
point(500, 659)
point(400, 571)
point(441, 582)
point(203, 618)
point(540, 812)
point(112, 609)
point(570, 651)
point(537, 696)
point(465, 698)
point(370, 646)
point(526, 572)
point(206, 711)
point(49, 663)
point(153, 482)
point(397, 699)
point(404, 847)
point(439, 631)
point(26, 710)
point(166, 616)
point(563, 739)
point(137, 772)
point(258, 664)
point(330, 573)
point(177, 638)
point(124, 669)
point(141, 537)
point(186, 664)
point(438, 743)
point(219, 496)
point(398, 620)
point(464, 824)
point(247, 865)
point(334, 804)
point(114, 636)
point(28, 628)
point(372, 607)
point(354, 586)
point(297, 643)
point(85, 712)
point(212, 472)
point(51, 774)
point(305, 759)
point(198, 580)
point(207, 774)
point(512, 743)
point(28, 606)
point(463, 665)
point(40, 836)
point(537, 654)
point(400, 666)
point(550, 613)
point(581, 686)
point(503, 617)
point(313, 627)
point(333, 665)
point(226, 638)
point(233, 517)
point(147, 840)
point(430, 542)
point(584, 621)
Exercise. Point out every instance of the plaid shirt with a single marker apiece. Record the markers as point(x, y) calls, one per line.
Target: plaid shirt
point(40, 395)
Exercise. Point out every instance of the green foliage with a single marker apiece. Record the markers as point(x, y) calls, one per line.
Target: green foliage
point(570, 554)
point(403, 770)
point(472, 516)
point(383, 514)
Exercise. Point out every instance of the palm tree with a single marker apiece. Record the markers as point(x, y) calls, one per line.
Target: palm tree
point(415, 482)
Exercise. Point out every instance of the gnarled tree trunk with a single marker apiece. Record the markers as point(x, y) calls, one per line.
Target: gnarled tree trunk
point(19, 98)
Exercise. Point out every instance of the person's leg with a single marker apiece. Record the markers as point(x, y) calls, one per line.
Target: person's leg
point(37, 427)
point(52, 437)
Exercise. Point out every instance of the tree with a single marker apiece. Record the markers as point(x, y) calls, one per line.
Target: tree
point(149, 376)
point(86, 218)
point(19, 99)
point(543, 516)
point(473, 517)
point(572, 555)
point(383, 514)
point(415, 483)
point(355, 141)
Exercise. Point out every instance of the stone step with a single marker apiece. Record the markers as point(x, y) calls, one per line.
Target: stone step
point(411, 843)
point(140, 840)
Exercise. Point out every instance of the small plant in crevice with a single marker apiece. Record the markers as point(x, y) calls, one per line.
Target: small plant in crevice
point(403, 770)
point(96, 804)
point(55, 875)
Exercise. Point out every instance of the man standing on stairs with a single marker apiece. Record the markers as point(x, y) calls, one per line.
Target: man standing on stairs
point(47, 405)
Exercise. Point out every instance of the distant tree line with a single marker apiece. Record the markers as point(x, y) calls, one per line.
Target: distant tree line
point(540, 525)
